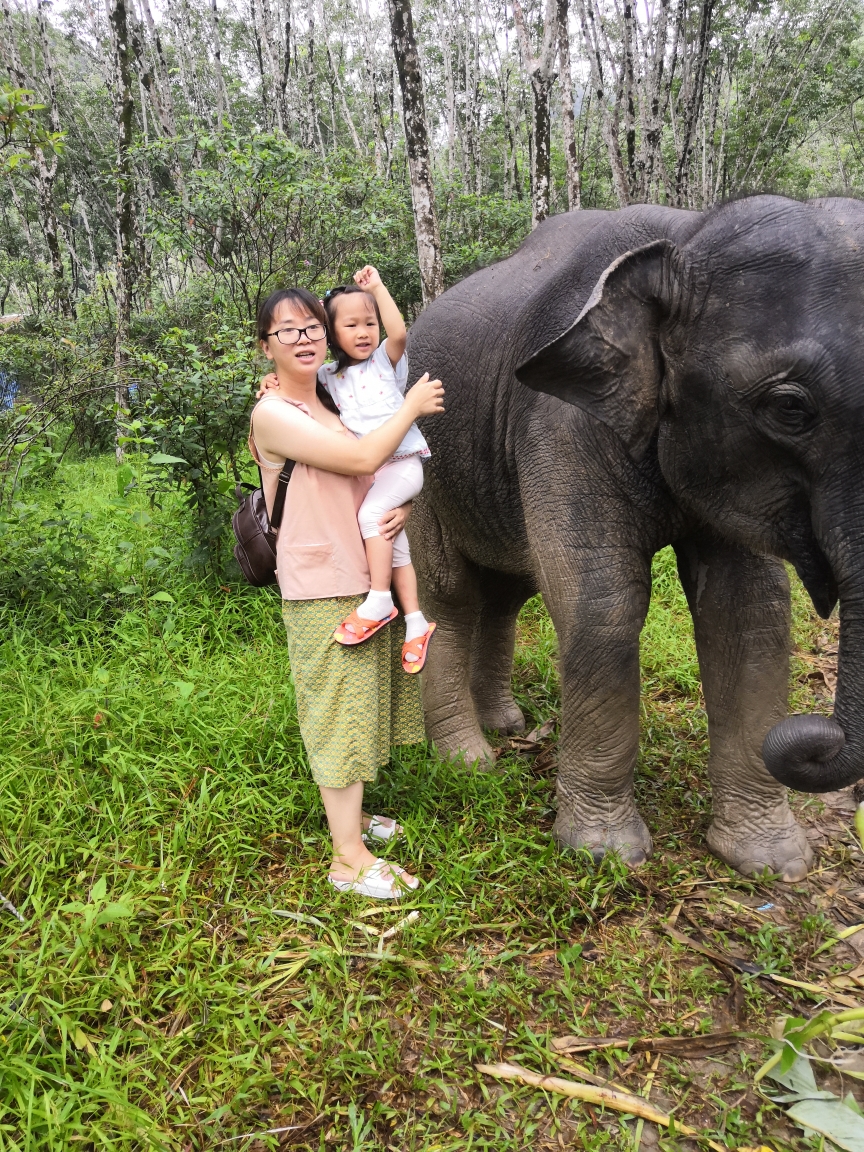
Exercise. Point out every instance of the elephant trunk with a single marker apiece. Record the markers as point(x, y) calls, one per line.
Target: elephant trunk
point(815, 753)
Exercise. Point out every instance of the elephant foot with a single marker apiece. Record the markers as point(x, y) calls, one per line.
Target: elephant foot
point(778, 846)
point(505, 718)
point(623, 832)
point(468, 748)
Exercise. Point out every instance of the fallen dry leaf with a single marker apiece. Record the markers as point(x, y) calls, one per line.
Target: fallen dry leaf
point(820, 991)
point(532, 742)
point(721, 958)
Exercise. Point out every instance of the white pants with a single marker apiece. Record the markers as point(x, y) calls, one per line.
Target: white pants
point(396, 482)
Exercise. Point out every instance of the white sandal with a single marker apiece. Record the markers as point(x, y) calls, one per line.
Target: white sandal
point(377, 883)
point(378, 830)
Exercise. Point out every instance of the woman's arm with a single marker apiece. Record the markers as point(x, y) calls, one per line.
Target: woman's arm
point(282, 430)
point(370, 281)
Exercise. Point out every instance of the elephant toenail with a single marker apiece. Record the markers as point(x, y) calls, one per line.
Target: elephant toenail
point(794, 871)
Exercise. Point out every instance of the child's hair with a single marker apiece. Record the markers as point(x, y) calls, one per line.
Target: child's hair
point(302, 300)
point(330, 298)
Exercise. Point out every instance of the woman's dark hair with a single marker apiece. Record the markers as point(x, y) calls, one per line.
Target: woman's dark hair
point(330, 298)
point(302, 300)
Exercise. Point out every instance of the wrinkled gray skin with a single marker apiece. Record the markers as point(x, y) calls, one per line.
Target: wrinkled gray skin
point(625, 381)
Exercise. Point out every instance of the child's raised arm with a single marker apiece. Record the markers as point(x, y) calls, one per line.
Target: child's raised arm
point(370, 281)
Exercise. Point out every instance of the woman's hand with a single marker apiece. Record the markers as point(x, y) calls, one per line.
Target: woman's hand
point(426, 397)
point(271, 380)
point(392, 522)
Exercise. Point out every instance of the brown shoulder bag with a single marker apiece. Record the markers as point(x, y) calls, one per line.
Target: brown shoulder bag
point(255, 531)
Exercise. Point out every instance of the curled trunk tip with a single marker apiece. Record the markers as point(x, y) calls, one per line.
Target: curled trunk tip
point(805, 753)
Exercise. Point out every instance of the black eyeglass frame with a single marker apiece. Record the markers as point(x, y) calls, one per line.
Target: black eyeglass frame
point(300, 332)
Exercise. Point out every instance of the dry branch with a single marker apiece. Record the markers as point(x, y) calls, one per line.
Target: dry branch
point(604, 1097)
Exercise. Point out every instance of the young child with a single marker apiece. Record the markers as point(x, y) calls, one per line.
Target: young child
point(367, 382)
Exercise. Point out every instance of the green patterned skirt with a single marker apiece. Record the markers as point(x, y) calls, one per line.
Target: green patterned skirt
point(353, 704)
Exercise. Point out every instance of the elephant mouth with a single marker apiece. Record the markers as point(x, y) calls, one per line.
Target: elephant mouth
point(796, 541)
point(816, 574)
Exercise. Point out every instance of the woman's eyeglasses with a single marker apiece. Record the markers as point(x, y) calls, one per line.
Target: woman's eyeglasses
point(292, 335)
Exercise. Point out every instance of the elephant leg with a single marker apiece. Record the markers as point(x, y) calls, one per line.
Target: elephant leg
point(741, 617)
point(449, 587)
point(501, 597)
point(598, 598)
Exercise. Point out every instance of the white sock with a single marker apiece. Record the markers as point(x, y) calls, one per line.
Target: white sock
point(415, 625)
point(376, 606)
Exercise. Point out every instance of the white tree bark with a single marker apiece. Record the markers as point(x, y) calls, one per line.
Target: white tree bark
point(417, 146)
point(568, 119)
point(541, 71)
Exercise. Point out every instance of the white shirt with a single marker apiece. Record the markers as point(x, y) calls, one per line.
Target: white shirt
point(369, 393)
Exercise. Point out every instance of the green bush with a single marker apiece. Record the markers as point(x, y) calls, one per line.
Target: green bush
point(194, 411)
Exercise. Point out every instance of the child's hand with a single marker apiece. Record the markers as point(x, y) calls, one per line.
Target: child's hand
point(368, 279)
point(427, 396)
point(271, 380)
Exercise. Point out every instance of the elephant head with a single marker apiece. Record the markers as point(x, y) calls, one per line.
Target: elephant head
point(740, 353)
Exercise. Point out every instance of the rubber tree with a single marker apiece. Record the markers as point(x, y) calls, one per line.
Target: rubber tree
point(417, 147)
point(568, 120)
point(541, 71)
point(124, 202)
point(42, 151)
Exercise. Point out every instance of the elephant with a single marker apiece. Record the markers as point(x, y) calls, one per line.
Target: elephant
point(628, 380)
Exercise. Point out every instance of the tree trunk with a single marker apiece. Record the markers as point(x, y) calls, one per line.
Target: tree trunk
point(608, 121)
point(541, 70)
point(652, 110)
point(694, 104)
point(568, 120)
point(160, 94)
point(382, 146)
point(271, 36)
point(221, 94)
point(629, 78)
point(337, 83)
point(417, 146)
point(124, 221)
point(44, 166)
point(266, 119)
point(285, 71)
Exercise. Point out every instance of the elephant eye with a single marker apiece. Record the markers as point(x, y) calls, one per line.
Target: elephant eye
point(788, 408)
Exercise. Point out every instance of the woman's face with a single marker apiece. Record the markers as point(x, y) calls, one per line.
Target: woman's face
point(302, 359)
point(355, 325)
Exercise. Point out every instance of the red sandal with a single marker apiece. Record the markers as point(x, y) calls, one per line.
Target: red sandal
point(354, 629)
point(418, 647)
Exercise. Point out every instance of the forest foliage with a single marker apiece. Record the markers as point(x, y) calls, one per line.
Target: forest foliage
point(164, 169)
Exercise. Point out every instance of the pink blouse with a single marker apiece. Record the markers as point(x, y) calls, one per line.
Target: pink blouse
point(319, 549)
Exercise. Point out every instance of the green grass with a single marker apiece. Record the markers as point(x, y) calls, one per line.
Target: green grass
point(158, 822)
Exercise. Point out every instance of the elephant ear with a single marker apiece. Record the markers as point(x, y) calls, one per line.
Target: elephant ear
point(608, 361)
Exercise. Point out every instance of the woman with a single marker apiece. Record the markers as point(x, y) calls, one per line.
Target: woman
point(352, 703)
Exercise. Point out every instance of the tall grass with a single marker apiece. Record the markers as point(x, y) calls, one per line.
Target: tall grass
point(182, 976)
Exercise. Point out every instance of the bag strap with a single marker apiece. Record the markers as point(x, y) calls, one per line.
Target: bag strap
point(279, 499)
